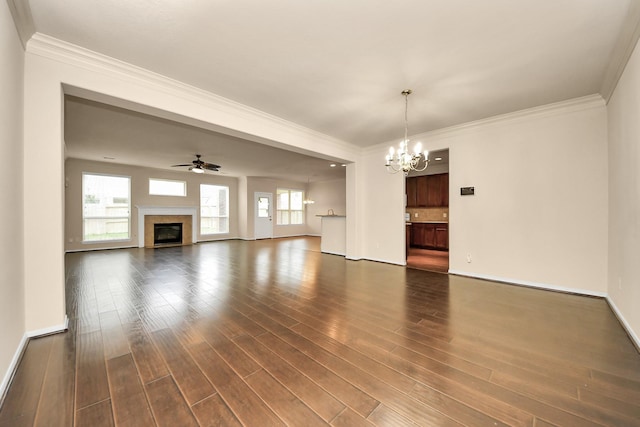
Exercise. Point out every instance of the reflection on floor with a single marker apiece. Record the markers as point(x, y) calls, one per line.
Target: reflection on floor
point(425, 259)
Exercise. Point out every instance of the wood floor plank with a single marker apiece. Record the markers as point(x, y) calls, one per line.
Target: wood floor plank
point(56, 406)
point(113, 339)
point(346, 392)
point(349, 418)
point(229, 351)
point(284, 403)
point(21, 401)
point(128, 399)
point(386, 394)
point(244, 403)
point(149, 362)
point(318, 399)
point(189, 378)
point(213, 412)
point(383, 416)
point(96, 415)
point(91, 372)
point(167, 404)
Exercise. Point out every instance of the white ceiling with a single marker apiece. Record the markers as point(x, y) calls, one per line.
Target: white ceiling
point(338, 66)
point(105, 133)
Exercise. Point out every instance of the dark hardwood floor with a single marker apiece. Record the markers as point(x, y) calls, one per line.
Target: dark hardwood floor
point(270, 333)
point(428, 259)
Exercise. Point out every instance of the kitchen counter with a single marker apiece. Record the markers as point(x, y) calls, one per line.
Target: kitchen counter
point(427, 222)
point(333, 238)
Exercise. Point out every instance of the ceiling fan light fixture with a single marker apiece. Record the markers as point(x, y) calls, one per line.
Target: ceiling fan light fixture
point(197, 169)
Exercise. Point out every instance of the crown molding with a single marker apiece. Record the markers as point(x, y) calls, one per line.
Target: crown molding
point(625, 45)
point(22, 19)
point(67, 53)
point(553, 109)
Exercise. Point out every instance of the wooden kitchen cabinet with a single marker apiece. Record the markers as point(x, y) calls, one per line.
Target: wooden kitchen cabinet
point(428, 191)
point(434, 197)
point(421, 191)
point(441, 236)
point(412, 191)
point(430, 235)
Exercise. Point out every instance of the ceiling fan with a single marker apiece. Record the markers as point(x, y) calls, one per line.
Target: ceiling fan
point(198, 166)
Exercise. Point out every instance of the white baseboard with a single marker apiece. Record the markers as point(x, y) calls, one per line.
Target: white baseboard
point(333, 253)
point(529, 284)
point(634, 338)
point(50, 330)
point(69, 251)
point(13, 366)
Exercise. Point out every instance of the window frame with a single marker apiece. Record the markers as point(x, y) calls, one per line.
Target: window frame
point(201, 216)
point(184, 186)
point(280, 212)
point(84, 218)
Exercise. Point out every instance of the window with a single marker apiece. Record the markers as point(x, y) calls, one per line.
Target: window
point(106, 207)
point(290, 207)
point(167, 187)
point(214, 209)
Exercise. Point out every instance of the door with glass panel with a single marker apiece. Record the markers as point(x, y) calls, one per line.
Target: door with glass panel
point(263, 215)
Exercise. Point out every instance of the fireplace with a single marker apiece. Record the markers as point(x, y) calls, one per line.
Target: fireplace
point(148, 216)
point(167, 233)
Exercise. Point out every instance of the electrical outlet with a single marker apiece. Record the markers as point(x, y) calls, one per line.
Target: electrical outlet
point(444, 215)
point(469, 258)
point(415, 215)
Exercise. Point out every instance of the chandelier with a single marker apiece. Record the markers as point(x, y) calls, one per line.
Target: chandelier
point(308, 200)
point(404, 160)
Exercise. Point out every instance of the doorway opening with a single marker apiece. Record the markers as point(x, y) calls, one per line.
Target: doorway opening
point(427, 215)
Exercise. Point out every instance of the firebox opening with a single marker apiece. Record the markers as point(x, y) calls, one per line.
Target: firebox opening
point(167, 234)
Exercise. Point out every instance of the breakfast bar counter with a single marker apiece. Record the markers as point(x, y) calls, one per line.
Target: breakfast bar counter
point(333, 239)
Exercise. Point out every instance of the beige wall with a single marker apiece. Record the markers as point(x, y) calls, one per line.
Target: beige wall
point(624, 196)
point(139, 196)
point(12, 309)
point(539, 215)
point(539, 212)
point(266, 185)
point(326, 195)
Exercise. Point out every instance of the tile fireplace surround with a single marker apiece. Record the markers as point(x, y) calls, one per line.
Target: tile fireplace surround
point(149, 215)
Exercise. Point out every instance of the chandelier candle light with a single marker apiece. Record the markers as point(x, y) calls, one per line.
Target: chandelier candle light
point(403, 160)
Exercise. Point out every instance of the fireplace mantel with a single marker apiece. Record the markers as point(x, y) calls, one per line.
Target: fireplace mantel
point(167, 210)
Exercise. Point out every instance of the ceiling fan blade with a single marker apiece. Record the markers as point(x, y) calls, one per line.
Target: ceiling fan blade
point(210, 166)
point(188, 164)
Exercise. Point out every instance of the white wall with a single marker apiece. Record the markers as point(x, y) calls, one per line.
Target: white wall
point(624, 196)
point(539, 212)
point(326, 195)
point(139, 196)
point(381, 213)
point(12, 325)
point(539, 216)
